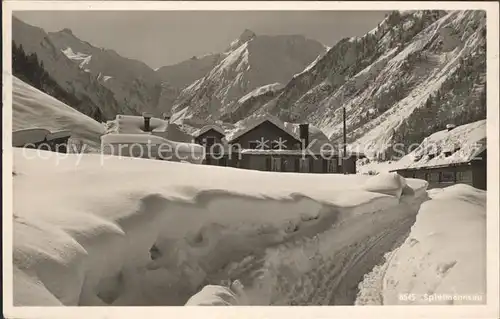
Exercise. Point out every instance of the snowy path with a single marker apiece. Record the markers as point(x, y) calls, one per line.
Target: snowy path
point(355, 246)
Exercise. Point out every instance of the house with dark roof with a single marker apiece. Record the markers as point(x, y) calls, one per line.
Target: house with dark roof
point(260, 142)
point(451, 156)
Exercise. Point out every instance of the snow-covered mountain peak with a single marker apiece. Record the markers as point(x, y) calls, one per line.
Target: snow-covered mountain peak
point(244, 37)
point(251, 62)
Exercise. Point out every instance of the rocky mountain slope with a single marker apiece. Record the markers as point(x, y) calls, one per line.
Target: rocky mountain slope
point(96, 98)
point(114, 83)
point(136, 87)
point(250, 62)
point(174, 78)
point(110, 84)
point(414, 73)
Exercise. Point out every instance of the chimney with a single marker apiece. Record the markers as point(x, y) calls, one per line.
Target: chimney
point(166, 116)
point(304, 134)
point(147, 117)
point(450, 127)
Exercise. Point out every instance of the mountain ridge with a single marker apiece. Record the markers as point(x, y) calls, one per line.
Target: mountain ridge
point(260, 60)
point(414, 65)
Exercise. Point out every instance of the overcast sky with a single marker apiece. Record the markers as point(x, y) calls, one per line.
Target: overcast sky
point(161, 38)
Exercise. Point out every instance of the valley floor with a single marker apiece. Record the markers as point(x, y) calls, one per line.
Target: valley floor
point(93, 230)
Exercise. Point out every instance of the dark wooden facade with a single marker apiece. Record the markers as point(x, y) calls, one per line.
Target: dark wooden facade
point(213, 153)
point(289, 163)
point(472, 173)
point(266, 131)
point(244, 152)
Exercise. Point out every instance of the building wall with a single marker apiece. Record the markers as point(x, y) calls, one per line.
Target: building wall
point(289, 163)
point(350, 165)
point(480, 172)
point(209, 158)
point(210, 133)
point(253, 161)
point(269, 132)
point(449, 175)
point(318, 165)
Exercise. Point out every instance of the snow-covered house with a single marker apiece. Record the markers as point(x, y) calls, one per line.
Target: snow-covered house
point(266, 143)
point(451, 156)
point(260, 142)
point(149, 137)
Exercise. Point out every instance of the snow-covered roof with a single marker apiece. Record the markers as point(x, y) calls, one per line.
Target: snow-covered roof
point(207, 128)
point(248, 124)
point(459, 145)
point(36, 135)
point(58, 134)
point(135, 124)
point(26, 136)
point(129, 124)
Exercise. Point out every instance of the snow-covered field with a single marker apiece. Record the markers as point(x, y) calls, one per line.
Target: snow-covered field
point(91, 225)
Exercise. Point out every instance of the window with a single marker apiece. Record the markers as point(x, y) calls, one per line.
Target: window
point(434, 177)
point(420, 175)
point(276, 164)
point(448, 177)
point(253, 145)
point(332, 165)
point(464, 177)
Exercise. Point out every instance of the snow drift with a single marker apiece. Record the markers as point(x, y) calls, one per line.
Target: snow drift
point(129, 231)
point(31, 108)
point(215, 295)
point(151, 147)
point(443, 260)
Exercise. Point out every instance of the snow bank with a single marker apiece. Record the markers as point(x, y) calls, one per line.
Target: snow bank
point(126, 231)
point(153, 147)
point(389, 183)
point(215, 295)
point(443, 261)
point(34, 109)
